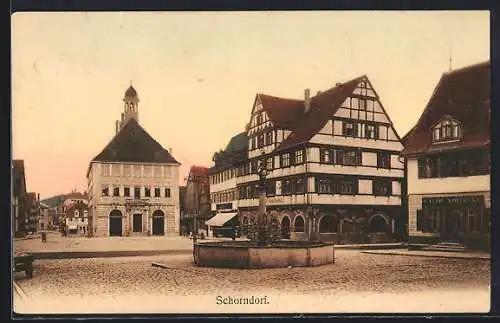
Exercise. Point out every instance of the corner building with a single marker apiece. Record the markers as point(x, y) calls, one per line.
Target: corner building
point(448, 157)
point(333, 160)
point(133, 184)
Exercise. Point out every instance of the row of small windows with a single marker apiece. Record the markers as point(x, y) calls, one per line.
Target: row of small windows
point(77, 213)
point(351, 157)
point(456, 164)
point(261, 139)
point(285, 160)
point(223, 176)
point(137, 191)
point(135, 171)
point(224, 197)
point(324, 185)
point(363, 130)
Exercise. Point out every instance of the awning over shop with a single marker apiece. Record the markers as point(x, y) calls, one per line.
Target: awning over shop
point(220, 219)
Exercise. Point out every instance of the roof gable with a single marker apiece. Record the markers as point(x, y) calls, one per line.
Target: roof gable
point(133, 144)
point(323, 106)
point(464, 94)
point(282, 112)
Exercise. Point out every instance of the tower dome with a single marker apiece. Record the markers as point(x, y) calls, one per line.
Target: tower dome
point(131, 92)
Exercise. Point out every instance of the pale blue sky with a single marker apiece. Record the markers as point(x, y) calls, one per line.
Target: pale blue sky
point(197, 74)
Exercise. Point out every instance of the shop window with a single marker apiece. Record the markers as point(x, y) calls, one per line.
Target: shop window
point(419, 220)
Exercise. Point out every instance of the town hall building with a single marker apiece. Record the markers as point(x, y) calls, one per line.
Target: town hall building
point(334, 171)
point(133, 184)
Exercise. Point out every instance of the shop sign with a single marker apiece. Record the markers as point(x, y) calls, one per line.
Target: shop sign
point(452, 200)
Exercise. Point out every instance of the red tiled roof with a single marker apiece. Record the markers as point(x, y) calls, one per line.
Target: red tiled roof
point(281, 111)
point(198, 171)
point(463, 94)
point(323, 106)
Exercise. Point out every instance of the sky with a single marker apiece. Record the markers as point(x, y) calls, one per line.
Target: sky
point(197, 74)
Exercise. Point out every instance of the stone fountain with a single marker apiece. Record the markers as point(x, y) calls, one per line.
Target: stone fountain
point(264, 248)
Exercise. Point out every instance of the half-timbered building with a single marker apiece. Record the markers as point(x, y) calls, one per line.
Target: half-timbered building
point(133, 184)
point(333, 161)
point(222, 179)
point(448, 158)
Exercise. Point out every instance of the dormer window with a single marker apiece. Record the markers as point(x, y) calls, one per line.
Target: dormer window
point(447, 129)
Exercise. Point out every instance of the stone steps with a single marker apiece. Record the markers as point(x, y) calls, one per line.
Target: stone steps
point(447, 246)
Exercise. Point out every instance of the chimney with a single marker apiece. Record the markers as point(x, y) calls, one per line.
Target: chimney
point(117, 126)
point(318, 93)
point(123, 115)
point(307, 100)
point(170, 151)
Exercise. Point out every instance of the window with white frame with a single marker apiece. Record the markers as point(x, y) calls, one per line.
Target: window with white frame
point(76, 213)
point(148, 171)
point(126, 170)
point(105, 170)
point(448, 129)
point(137, 170)
point(85, 213)
point(157, 170)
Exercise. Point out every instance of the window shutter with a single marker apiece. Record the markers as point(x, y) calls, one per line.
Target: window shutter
point(419, 220)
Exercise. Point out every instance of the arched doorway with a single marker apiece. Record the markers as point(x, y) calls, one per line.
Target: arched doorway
point(115, 223)
point(378, 224)
point(328, 224)
point(299, 224)
point(158, 223)
point(285, 228)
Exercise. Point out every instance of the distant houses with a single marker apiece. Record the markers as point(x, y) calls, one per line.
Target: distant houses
point(196, 200)
point(19, 198)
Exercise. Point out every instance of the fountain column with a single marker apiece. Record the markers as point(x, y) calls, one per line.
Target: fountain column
point(261, 215)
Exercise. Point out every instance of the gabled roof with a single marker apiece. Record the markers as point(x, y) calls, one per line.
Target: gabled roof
point(237, 143)
point(236, 150)
point(281, 111)
point(323, 106)
point(464, 94)
point(133, 144)
point(198, 172)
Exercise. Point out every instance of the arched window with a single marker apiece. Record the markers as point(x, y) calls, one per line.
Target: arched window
point(299, 224)
point(328, 224)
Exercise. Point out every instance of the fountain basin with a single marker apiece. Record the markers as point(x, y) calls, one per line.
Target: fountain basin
point(243, 254)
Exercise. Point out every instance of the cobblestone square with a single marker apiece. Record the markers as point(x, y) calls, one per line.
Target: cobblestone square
point(353, 275)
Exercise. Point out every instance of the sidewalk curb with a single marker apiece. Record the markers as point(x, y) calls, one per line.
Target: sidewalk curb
point(107, 254)
point(371, 247)
point(428, 256)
